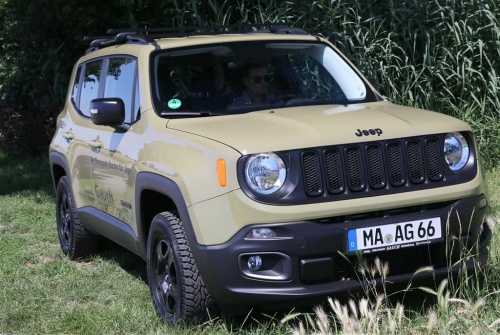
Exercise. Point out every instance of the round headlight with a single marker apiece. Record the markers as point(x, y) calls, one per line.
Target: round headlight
point(456, 151)
point(265, 173)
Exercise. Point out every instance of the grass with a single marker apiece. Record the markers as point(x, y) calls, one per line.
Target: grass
point(41, 292)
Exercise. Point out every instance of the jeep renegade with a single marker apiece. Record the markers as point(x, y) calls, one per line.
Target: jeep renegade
point(256, 166)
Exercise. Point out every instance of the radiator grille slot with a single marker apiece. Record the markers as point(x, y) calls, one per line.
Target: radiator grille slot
point(396, 164)
point(376, 170)
point(434, 159)
point(355, 169)
point(416, 167)
point(312, 173)
point(334, 175)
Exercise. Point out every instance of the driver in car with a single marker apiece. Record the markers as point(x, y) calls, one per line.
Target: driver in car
point(255, 79)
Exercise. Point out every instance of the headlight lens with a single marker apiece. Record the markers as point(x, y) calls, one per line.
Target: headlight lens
point(265, 173)
point(456, 151)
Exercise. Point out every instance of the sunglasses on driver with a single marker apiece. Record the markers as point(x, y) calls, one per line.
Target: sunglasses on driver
point(260, 79)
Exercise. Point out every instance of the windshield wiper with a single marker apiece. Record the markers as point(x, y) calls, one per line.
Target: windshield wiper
point(187, 114)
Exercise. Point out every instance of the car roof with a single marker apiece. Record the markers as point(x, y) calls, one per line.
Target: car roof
point(163, 38)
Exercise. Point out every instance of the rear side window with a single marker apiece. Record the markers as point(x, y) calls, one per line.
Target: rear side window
point(107, 78)
point(76, 86)
point(90, 86)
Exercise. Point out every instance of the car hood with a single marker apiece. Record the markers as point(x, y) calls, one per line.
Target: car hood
point(312, 126)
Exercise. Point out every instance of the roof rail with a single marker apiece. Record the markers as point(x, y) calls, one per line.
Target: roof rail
point(148, 35)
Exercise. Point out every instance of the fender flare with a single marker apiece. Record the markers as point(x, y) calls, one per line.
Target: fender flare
point(56, 158)
point(155, 182)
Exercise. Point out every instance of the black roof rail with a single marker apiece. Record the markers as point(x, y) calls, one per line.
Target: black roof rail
point(98, 42)
point(148, 35)
point(276, 28)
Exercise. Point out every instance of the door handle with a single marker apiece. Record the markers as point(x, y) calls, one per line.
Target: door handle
point(96, 144)
point(68, 135)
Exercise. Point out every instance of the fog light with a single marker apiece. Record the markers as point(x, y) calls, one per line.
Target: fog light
point(254, 263)
point(261, 233)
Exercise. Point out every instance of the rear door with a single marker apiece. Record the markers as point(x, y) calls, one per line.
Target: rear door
point(101, 156)
point(78, 129)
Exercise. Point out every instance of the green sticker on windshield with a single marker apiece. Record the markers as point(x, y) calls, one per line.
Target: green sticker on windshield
point(174, 103)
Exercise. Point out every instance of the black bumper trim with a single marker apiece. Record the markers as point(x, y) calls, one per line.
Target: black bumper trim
point(313, 248)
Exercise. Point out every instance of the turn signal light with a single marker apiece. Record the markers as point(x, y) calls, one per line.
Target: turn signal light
point(221, 172)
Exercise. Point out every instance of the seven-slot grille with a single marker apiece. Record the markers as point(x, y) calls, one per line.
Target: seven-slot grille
point(372, 166)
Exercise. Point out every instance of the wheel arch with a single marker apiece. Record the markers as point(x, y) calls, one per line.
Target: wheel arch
point(58, 167)
point(155, 194)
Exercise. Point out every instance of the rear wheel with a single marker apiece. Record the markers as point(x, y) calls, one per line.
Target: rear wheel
point(176, 286)
point(76, 241)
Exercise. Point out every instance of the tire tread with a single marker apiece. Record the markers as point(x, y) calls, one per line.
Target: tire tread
point(83, 243)
point(196, 300)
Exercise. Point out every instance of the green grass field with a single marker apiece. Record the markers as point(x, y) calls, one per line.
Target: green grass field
point(41, 292)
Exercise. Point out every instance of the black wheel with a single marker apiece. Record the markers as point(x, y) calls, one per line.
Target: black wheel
point(177, 289)
point(76, 241)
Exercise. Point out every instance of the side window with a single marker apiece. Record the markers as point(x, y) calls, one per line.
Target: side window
point(120, 83)
point(76, 86)
point(90, 86)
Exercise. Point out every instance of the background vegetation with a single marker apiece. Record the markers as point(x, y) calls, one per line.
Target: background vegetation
point(442, 55)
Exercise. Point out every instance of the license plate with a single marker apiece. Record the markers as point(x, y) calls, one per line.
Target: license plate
point(394, 236)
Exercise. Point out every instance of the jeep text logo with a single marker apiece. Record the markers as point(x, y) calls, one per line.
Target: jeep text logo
point(368, 132)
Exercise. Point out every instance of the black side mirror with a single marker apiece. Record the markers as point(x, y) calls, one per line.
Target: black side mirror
point(107, 111)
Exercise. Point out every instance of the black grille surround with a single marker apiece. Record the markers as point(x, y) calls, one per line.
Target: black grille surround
point(421, 256)
point(366, 169)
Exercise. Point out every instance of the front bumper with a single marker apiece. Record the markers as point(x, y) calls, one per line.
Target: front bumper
point(308, 259)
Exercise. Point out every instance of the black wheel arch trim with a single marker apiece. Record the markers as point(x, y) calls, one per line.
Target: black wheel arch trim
point(56, 158)
point(147, 181)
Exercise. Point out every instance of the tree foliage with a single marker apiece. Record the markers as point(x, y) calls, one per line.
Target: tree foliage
point(436, 54)
point(41, 39)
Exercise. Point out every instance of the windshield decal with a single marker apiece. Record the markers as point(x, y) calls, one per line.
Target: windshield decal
point(174, 103)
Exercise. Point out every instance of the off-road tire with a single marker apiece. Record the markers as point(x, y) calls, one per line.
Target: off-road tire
point(76, 241)
point(176, 286)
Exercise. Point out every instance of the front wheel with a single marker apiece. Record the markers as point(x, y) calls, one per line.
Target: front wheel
point(177, 289)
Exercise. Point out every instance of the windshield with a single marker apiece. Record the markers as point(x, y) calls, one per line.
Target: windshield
point(241, 77)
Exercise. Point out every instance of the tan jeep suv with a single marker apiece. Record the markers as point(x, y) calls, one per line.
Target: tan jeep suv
point(255, 167)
